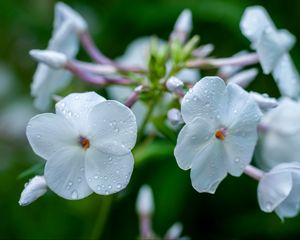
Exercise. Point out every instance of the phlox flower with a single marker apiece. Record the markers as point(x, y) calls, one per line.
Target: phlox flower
point(281, 136)
point(220, 132)
point(272, 46)
point(87, 144)
point(278, 190)
point(47, 81)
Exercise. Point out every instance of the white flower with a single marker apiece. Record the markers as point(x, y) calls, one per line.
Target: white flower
point(47, 81)
point(280, 141)
point(183, 26)
point(87, 145)
point(145, 202)
point(34, 189)
point(220, 132)
point(272, 47)
point(278, 190)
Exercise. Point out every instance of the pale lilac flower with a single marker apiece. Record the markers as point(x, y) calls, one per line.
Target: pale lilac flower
point(34, 189)
point(53, 59)
point(281, 137)
point(272, 47)
point(174, 117)
point(183, 26)
point(48, 81)
point(87, 145)
point(220, 132)
point(174, 84)
point(278, 190)
point(264, 101)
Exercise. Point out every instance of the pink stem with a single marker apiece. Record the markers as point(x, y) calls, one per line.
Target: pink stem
point(253, 172)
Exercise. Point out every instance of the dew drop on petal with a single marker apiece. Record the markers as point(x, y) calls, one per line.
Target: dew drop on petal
point(98, 187)
point(237, 160)
point(79, 179)
point(119, 186)
point(268, 206)
point(74, 194)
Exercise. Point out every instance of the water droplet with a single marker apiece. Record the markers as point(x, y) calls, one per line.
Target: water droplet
point(70, 183)
point(62, 104)
point(110, 158)
point(38, 136)
point(117, 172)
point(70, 114)
point(98, 187)
point(207, 105)
point(105, 178)
point(77, 97)
point(79, 179)
point(237, 159)
point(89, 179)
point(74, 194)
point(109, 186)
point(235, 111)
point(116, 130)
point(119, 186)
point(195, 98)
point(268, 206)
point(106, 192)
point(96, 176)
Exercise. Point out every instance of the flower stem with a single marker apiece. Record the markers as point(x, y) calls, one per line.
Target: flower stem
point(105, 207)
point(253, 172)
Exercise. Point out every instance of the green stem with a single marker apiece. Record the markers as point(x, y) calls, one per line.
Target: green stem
point(105, 207)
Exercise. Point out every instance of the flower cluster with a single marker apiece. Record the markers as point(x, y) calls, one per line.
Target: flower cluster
point(156, 87)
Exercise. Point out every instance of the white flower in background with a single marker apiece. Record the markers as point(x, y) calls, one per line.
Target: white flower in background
point(220, 132)
point(272, 47)
point(281, 138)
point(87, 145)
point(278, 190)
point(8, 81)
point(47, 81)
point(183, 26)
point(34, 189)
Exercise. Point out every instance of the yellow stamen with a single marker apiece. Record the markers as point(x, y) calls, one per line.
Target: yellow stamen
point(85, 143)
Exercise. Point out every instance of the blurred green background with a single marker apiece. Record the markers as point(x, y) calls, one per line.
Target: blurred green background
point(232, 213)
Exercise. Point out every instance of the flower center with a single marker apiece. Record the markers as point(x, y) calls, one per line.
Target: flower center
point(84, 142)
point(220, 134)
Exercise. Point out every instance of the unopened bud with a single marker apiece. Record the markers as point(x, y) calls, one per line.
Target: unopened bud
point(243, 78)
point(174, 231)
point(203, 51)
point(174, 116)
point(264, 101)
point(145, 202)
point(51, 58)
point(71, 15)
point(174, 84)
point(34, 189)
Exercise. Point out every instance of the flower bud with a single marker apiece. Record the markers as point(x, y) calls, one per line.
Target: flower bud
point(243, 78)
point(74, 17)
point(34, 189)
point(51, 58)
point(174, 231)
point(174, 84)
point(174, 116)
point(264, 101)
point(145, 202)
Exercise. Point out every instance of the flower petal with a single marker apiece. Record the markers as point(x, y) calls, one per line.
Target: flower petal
point(191, 141)
point(65, 175)
point(254, 21)
point(239, 148)
point(48, 133)
point(242, 111)
point(209, 168)
point(46, 82)
point(76, 107)
point(273, 189)
point(269, 49)
point(107, 173)
point(287, 77)
point(113, 128)
point(204, 100)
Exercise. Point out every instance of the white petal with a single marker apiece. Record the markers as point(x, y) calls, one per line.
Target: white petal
point(113, 127)
point(107, 173)
point(184, 22)
point(145, 201)
point(242, 111)
point(46, 82)
point(63, 11)
point(269, 49)
point(48, 133)
point(273, 189)
point(65, 174)
point(255, 20)
point(209, 167)
point(189, 75)
point(204, 100)
point(287, 77)
point(76, 107)
point(191, 141)
point(239, 147)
